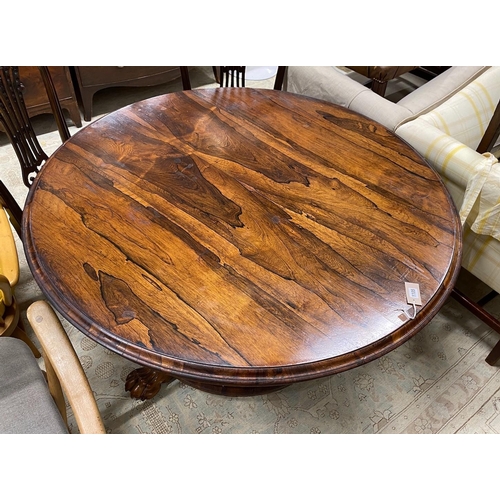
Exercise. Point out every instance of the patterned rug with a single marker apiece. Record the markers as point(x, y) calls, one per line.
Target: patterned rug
point(437, 382)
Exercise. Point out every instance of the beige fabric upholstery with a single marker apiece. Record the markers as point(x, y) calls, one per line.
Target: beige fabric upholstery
point(439, 90)
point(481, 256)
point(444, 121)
point(382, 73)
point(466, 173)
point(328, 83)
point(26, 406)
point(447, 137)
point(467, 113)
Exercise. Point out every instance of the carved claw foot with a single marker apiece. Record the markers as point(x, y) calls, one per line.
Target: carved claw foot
point(144, 383)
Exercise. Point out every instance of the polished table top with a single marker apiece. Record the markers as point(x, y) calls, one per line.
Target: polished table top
point(241, 237)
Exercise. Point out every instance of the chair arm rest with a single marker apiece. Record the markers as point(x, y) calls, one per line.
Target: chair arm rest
point(323, 82)
point(328, 84)
point(59, 352)
point(438, 90)
point(477, 175)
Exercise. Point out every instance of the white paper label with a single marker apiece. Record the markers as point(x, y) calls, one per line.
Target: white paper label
point(413, 294)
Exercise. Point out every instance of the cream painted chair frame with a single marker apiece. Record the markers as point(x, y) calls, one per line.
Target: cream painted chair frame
point(65, 375)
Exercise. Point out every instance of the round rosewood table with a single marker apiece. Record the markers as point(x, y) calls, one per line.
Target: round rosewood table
point(240, 240)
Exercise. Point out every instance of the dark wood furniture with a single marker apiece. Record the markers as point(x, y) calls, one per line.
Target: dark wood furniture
point(381, 75)
point(429, 72)
point(229, 76)
point(91, 79)
point(278, 83)
point(15, 121)
point(240, 239)
point(232, 76)
point(280, 77)
point(35, 96)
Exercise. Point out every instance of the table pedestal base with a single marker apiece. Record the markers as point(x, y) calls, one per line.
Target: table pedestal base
point(144, 383)
point(231, 391)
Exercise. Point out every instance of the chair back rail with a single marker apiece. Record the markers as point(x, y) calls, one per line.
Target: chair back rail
point(54, 103)
point(16, 123)
point(232, 76)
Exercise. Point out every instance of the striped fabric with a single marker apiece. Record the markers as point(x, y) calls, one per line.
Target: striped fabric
point(466, 115)
point(447, 138)
point(481, 256)
point(472, 178)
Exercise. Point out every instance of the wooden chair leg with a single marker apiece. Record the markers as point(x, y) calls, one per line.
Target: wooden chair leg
point(490, 296)
point(484, 316)
point(379, 87)
point(280, 77)
point(494, 355)
point(186, 82)
point(216, 71)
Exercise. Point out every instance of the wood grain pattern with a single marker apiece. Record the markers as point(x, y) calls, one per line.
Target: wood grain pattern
point(241, 237)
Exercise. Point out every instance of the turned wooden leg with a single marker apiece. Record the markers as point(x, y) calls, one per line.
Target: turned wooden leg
point(494, 355)
point(379, 87)
point(144, 383)
point(484, 316)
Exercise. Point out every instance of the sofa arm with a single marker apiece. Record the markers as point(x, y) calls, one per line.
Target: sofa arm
point(328, 84)
point(440, 89)
point(477, 176)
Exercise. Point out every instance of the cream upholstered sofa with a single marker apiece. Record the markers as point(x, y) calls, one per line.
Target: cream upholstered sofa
point(329, 84)
point(448, 137)
point(444, 120)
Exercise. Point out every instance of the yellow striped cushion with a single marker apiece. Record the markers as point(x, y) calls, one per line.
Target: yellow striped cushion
point(481, 257)
point(466, 115)
point(472, 178)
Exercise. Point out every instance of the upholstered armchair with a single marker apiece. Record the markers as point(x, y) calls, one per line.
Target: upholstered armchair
point(448, 137)
point(445, 120)
point(329, 84)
